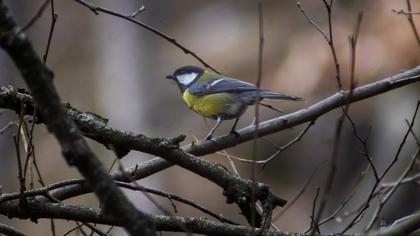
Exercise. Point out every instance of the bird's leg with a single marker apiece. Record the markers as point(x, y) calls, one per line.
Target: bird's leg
point(218, 122)
point(233, 131)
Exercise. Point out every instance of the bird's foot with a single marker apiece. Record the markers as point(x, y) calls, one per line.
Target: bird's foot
point(210, 138)
point(236, 134)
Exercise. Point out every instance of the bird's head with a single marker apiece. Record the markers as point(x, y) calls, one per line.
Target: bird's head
point(185, 76)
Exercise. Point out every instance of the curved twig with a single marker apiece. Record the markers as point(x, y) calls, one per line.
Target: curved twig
point(97, 9)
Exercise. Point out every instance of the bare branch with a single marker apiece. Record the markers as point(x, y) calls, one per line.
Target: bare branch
point(339, 125)
point(410, 179)
point(54, 17)
point(36, 17)
point(312, 22)
point(172, 196)
point(347, 199)
point(163, 223)
point(412, 24)
point(299, 194)
point(97, 9)
point(402, 12)
point(8, 230)
point(388, 168)
point(403, 226)
point(267, 217)
point(327, 36)
point(314, 223)
point(387, 196)
point(365, 146)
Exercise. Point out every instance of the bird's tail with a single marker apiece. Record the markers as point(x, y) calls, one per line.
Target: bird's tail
point(251, 97)
point(276, 95)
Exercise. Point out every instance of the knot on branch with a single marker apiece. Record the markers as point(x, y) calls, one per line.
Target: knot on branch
point(8, 37)
point(246, 194)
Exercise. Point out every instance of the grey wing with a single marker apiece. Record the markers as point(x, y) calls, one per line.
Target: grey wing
point(220, 85)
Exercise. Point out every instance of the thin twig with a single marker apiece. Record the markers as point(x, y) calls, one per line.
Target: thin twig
point(145, 193)
point(348, 198)
point(299, 193)
point(402, 12)
point(372, 192)
point(340, 121)
point(312, 22)
point(412, 24)
point(8, 125)
point(94, 229)
point(72, 229)
point(80, 228)
point(366, 152)
point(327, 36)
point(409, 179)
point(394, 185)
point(257, 116)
point(54, 17)
point(9, 230)
point(280, 149)
point(289, 144)
point(353, 44)
point(16, 139)
point(36, 16)
point(314, 224)
point(97, 9)
point(223, 153)
point(412, 133)
point(172, 196)
point(388, 195)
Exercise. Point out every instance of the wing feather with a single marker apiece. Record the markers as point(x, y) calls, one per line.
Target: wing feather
point(220, 85)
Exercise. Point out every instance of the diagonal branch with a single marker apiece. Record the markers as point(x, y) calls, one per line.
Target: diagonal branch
point(412, 24)
point(97, 9)
point(9, 230)
point(74, 147)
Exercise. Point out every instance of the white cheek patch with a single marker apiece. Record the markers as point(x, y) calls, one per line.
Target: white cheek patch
point(185, 79)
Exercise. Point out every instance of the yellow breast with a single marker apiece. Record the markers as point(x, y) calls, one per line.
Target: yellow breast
point(210, 105)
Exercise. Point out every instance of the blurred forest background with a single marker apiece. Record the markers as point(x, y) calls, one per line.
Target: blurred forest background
point(116, 69)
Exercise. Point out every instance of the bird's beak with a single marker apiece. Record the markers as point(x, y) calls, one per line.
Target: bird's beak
point(170, 77)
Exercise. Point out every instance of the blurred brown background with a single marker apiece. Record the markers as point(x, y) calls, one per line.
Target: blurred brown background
point(116, 69)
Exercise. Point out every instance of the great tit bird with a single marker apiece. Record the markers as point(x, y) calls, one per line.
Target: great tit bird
point(218, 97)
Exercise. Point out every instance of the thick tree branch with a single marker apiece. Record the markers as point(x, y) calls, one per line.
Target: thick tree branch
point(39, 210)
point(57, 192)
point(74, 147)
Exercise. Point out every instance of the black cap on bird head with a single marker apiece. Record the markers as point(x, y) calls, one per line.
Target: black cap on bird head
point(186, 75)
